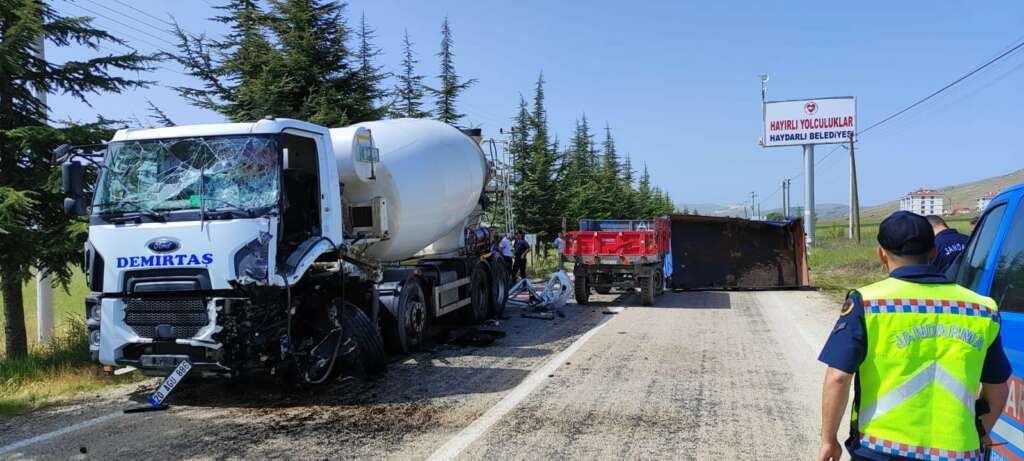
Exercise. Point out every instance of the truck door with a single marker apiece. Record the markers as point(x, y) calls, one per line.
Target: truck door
point(300, 191)
point(993, 265)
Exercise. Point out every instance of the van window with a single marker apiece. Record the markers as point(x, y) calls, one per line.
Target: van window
point(972, 264)
point(1008, 284)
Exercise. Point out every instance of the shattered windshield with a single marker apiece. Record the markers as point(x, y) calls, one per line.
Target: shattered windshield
point(183, 173)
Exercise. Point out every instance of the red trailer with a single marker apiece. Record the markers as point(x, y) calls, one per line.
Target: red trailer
point(619, 254)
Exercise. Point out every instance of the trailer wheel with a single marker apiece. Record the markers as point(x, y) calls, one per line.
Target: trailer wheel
point(404, 334)
point(371, 346)
point(479, 295)
point(581, 289)
point(499, 289)
point(647, 289)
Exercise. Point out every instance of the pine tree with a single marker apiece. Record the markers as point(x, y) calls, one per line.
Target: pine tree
point(34, 232)
point(409, 90)
point(610, 197)
point(243, 75)
point(448, 93)
point(290, 61)
point(369, 93)
point(537, 204)
point(628, 194)
point(578, 185)
point(645, 196)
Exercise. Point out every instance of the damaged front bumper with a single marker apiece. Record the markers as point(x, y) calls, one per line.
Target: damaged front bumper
point(155, 334)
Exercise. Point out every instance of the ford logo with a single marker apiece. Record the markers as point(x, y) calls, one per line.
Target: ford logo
point(163, 245)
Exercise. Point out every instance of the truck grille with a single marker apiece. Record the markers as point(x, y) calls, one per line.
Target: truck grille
point(186, 315)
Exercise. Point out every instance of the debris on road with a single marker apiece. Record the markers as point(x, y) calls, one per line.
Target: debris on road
point(475, 336)
point(544, 304)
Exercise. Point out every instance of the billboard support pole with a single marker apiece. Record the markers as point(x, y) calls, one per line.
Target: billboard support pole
point(855, 196)
point(809, 193)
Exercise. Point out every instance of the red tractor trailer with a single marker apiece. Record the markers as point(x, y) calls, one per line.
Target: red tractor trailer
point(619, 254)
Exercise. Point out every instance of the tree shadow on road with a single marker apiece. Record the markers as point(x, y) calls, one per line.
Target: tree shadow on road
point(443, 370)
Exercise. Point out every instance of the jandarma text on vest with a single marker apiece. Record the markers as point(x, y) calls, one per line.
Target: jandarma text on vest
point(935, 330)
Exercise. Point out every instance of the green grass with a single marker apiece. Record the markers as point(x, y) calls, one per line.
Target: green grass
point(838, 264)
point(66, 304)
point(58, 370)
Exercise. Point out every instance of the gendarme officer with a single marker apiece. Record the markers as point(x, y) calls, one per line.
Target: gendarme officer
point(916, 347)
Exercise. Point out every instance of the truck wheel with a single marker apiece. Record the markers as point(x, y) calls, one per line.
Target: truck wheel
point(647, 289)
point(660, 284)
point(603, 290)
point(499, 289)
point(405, 333)
point(581, 289)
point(479, 295)
point(371, 346)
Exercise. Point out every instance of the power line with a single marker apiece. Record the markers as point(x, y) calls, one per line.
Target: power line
point(940, 90)
point(145, 13)
point(121, 23)
point(133, 18)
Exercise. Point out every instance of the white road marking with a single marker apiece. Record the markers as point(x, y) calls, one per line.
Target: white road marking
point(58, 433)
point(478, 427)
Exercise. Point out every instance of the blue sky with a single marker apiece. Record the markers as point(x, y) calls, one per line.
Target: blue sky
point(678, 81)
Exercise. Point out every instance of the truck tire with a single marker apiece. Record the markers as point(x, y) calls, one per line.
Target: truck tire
point(499, 289)
point(581, 289)
point(371, 346)
point(647, 288)
point(479, 294)
point(405, 331)
point(660, 285)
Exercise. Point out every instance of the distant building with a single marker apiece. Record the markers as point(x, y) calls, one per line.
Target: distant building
point(984, 200)
point(961, 211)
point(923, 202)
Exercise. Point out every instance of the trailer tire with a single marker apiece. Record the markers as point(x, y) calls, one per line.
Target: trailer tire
point(581, 289)
point(368, 340)
point(404, 332)
point(479, 295)
point(499, 289)
point(647, 289)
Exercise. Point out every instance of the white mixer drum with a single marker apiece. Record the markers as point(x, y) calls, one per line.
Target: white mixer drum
point(430, 174)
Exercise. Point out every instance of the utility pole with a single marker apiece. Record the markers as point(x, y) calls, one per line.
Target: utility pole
point(44, 283)
point(854, 199)
point(753, 198)
point(809, 193)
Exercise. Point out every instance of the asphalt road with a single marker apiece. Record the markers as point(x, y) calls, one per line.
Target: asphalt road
point(700, 375)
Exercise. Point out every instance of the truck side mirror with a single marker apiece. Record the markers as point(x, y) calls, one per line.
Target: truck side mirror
point(74, 197)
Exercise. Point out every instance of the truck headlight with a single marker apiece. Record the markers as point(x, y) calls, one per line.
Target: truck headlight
point(94, 338)
point(93, 311)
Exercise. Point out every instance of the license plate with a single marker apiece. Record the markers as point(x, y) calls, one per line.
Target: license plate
point(172, 380)
point(162, 361)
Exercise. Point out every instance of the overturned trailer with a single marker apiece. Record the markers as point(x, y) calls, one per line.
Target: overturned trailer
point(732, 253)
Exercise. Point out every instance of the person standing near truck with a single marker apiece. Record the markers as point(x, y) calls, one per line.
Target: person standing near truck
point(505, 249)
point(521, 248)
point(948, 243)
point(560, 251)
point(917, 346)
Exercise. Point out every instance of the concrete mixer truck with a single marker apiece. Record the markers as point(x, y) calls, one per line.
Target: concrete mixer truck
point(281, 245)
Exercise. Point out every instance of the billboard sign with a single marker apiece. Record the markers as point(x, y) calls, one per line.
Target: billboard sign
point(809, 121)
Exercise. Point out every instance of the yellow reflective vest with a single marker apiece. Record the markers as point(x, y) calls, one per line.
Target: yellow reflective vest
point(926, 345)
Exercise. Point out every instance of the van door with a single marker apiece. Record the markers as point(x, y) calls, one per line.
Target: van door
point(993, 265)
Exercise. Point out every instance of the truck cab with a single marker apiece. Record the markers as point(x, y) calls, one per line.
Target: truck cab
point(198, 234)
point(993, 265)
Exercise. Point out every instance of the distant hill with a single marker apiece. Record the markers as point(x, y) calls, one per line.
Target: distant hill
point(825, 210)
point(958, 196)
